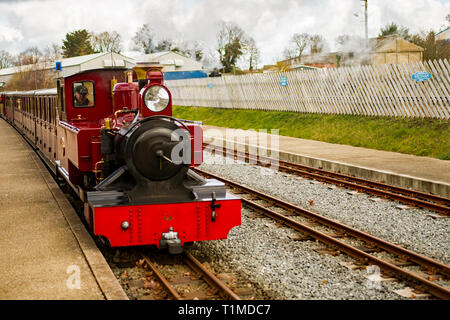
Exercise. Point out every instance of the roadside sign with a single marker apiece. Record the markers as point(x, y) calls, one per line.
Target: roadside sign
point(283, 81)
point(421, 76)
point(2, 84)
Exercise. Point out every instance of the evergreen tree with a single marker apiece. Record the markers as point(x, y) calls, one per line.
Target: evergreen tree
point(394, 29)
point(77, 43)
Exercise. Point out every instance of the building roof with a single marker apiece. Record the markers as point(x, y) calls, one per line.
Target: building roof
point(442, 31)
point(151, 57)
point(76, 61)
point(393, 44)
point(6, 71)
point(171, 60)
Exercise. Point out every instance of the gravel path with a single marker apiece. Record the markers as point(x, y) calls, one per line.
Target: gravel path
point(289, 269)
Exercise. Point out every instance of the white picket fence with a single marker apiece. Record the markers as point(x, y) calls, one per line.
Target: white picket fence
point(382, 90)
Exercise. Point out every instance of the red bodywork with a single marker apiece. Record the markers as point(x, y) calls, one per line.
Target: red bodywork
point(191, 220)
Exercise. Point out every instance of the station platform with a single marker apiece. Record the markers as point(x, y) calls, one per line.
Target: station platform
point(408, 171)
point(45, 251)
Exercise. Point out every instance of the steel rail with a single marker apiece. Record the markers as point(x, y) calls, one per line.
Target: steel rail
point(210, 277)
point(375, 184)
point(162, 279)
point(427, 262)
point(416, 198)
point(196, 265)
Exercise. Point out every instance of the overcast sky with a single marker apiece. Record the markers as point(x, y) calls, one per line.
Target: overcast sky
point(25, 23)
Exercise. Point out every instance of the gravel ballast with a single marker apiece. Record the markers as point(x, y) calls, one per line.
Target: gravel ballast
point(288, 269)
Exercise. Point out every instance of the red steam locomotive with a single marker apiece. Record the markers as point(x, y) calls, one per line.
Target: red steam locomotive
point(111, 135)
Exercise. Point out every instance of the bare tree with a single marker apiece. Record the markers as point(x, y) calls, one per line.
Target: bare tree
point(6, 59)
point(32, 71)
point(30, 56)
point(252, 52)
point(53, 52)
point(298, 44)
point(106, 42)
point(317, 44)
point(289, 52)
point(143, 39)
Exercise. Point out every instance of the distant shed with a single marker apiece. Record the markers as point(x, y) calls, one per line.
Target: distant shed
point(393, 50)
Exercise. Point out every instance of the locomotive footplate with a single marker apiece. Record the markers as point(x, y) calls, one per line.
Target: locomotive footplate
point(210, 215)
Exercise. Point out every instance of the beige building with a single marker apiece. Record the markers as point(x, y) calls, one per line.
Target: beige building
point(394, 50)
point(443, 35)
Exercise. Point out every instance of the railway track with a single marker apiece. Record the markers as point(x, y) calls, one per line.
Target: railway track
point(191, 273)
point(411, 197)
point(428, 275)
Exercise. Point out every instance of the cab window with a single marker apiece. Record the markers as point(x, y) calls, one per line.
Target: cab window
point(83, 94)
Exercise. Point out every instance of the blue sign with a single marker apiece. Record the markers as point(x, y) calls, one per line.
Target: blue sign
point(283, 81)
point(210, 85)
point(421, 76)
point(58, 66)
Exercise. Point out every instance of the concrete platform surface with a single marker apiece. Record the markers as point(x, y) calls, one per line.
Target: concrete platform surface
point(419, 173)
point(45, 252)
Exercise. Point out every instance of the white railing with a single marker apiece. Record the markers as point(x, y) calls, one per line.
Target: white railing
point(381, 90)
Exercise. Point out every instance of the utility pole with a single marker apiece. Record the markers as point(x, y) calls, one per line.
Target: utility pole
point(365, 21)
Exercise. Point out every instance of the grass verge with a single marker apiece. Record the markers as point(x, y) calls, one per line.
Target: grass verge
point(421, 137)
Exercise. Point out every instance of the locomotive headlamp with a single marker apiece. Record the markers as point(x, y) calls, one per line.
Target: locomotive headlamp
point(156, 98)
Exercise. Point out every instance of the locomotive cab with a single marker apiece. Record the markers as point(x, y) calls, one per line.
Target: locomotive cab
point(84, 100)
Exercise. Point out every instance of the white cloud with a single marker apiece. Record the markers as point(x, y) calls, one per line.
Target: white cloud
point(270, 22)
point(9, 34)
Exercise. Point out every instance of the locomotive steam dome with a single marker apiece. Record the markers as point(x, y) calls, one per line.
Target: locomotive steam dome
point(148, 149)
